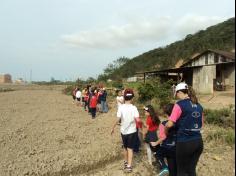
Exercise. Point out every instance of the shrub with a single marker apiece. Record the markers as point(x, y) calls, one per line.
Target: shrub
point(6, 89)
point(68, 90)
point(156, 90)
point(117, 84)
point(146, 92)
point(163, 93)
point(222, 117)
point(222, 136)
point(230, 137)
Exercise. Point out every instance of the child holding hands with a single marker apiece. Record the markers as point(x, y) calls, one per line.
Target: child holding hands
point(166, 147)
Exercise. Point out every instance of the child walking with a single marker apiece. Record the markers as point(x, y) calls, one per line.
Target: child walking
point(119, 99)
point(73, 93)
point(93, 104)
point(127, 113)
point(166, 148)
point(150, 134)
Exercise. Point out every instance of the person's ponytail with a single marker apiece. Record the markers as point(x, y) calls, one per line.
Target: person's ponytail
point(192, 95)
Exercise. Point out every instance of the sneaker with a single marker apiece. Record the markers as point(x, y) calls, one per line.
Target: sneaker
point(128, 169)
point(164, 172)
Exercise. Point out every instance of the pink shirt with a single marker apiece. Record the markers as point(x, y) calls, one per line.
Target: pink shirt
point(162, 134)
point(175, 114)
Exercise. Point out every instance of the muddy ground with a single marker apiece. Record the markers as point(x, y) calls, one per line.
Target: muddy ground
point(42, 132)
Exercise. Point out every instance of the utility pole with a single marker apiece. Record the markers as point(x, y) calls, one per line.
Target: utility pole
point(30, 76)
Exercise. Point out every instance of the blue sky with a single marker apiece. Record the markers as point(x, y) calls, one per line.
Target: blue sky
point(70, 39)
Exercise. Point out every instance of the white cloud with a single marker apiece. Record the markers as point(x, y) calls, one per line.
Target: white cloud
point(136, 33)
point(192, 23)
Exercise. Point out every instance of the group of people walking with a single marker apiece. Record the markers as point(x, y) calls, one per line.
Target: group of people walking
point(176, 139)
point(92, 99)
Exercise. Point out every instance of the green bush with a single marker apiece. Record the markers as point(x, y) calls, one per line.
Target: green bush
point(154, 89)
point(222, 136)
point(222, 117)
point(117, 84)
point(146, 92)
point(6, 89)
point(133, 85)
point(68, 90)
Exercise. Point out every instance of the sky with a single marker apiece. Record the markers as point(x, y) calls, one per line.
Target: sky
point(70, 39)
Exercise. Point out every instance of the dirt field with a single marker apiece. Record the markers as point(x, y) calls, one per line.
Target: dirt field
point(42, 132)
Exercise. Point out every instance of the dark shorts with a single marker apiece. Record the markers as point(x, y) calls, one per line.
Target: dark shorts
point(78, 99)
point(151, 136)
point(129, 140)
point(74, 97)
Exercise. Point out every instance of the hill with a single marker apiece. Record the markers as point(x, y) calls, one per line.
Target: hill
point(220, 36)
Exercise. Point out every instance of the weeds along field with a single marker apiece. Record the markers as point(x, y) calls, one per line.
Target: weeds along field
point(43, 132)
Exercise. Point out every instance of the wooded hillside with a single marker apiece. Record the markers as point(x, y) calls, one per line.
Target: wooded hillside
point(220, 36)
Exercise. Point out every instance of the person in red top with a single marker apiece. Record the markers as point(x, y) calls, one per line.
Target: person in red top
point(150, 134)
point(93, 104)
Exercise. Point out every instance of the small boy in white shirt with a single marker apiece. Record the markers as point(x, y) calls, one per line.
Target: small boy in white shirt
point(128, 113)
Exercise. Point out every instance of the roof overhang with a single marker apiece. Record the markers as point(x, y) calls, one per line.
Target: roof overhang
point(166, 71)
point(180, 69)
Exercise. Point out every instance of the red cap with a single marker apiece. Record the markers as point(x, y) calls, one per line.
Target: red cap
point(129, 92)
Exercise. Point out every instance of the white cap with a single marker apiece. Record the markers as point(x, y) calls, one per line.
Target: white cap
point(181, 86)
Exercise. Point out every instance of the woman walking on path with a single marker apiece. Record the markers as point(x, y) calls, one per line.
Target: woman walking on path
point(187, 115)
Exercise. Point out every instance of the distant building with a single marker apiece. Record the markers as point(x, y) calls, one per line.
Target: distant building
point(211, 70)
point(208, 71)
point(6, 78)
point(19, 81)
point(132, 79)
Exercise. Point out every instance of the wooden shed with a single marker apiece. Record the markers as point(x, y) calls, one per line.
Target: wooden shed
point(208, 71)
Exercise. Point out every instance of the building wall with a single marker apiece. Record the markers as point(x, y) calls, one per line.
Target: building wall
point(203, 79)
point(1, 79)
point(132, 79)
point(229, 75)
point(209, 58)
point(5, 78)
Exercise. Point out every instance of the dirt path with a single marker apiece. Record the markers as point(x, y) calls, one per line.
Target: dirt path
point(220, 99)
point(43, 133)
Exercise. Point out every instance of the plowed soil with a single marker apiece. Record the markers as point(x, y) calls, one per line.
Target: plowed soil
point(43, 132)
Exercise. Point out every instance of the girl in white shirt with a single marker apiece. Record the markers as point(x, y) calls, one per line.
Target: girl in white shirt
point(119, 99)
